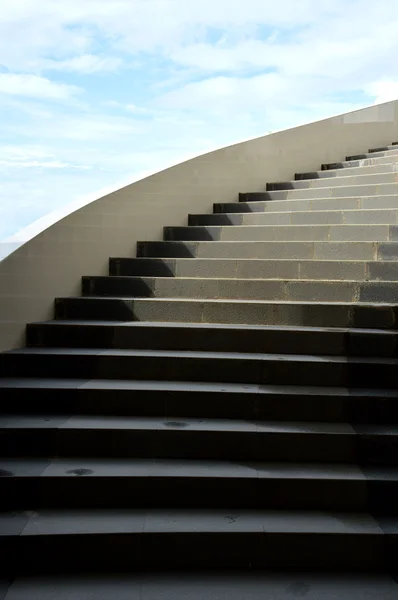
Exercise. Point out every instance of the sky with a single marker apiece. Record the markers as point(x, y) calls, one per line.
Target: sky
point(93, 92)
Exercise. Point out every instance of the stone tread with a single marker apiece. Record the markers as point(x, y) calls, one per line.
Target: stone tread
point(125, 522)
point(212, 585)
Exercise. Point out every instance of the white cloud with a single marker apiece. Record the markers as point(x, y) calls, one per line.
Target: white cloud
point(35, 87)
point(83, 65)
point(383, 91)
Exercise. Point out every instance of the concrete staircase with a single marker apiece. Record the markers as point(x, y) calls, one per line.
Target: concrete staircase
point(226, 400)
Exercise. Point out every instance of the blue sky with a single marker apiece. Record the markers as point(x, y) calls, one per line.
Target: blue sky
point(93, 92)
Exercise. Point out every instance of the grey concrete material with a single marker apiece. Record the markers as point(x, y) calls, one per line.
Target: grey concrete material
point(346, 250)
point(292, 205)
point(187, 365)
point(307, 233)
point(332, 291)
point(276, 313)
point(213, 585)
point(336, 217)
point(294, 218)
point(373, 202)
point(387, 251)
point(393, 237)
point(77, 587)
point(390, 167)
point(383, 271)
point(281, 233)
point(13, 523)
point(363, 162)
point(322, 204)
point(378, 292)
point(383, 148)
point(358, 233)
point(202, 267)
point(388, 151)
point(166, 249)
point(291, 249)
point(74, 522)
point(255, 312)
point(180, 468)
point(255, 250)
point(336, 270)
point(373, 216)
point(22, 468)
point(326, 289)
point(275, 268)
point(220, 337)
point(335, 192)
point(345, 180)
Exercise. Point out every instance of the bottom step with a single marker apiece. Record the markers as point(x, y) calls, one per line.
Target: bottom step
point(134, 540)
point(205, 585)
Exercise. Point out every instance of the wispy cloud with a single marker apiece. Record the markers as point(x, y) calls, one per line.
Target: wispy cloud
point(33, 86)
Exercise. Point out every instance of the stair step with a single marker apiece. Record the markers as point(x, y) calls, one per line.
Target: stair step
point(232, 367)
point(182, 483)
point(384, 216)
point(326, 250)
point(383, 148)
point(212, 585)
point(243, 289)
point(305, 233)
point(386, 151)
point(254, 312)
point(360, 178)
point(220, 439)
point(213, 337)
point(390, 167)
point(385, 158)
point(316, 204)
point(179, 399)
point(135, 540)
point(333, 191)
point(251, 268)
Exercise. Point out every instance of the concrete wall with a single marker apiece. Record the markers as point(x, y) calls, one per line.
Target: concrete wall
point(52, 263)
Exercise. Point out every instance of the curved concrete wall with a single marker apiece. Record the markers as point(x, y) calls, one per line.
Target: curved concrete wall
point(52, 263)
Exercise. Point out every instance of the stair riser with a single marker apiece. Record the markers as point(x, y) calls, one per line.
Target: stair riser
point(243, 289)
point(188, 444)
point(243, 370)
point(391, 167)
point(137, 551)
point(185, 492)
point(319, 204)
point(316, 217)
point(370, 251)
point(357, 179)
point(173, 404)
point(279, 233)
point(249, 269)
point(266, 341)
point(245, 313)
point(324, 192)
